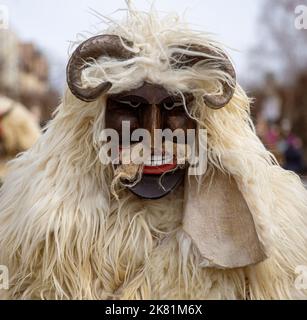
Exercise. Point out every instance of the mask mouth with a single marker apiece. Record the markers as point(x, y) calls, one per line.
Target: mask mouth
point(158, 175)
point(159, 164)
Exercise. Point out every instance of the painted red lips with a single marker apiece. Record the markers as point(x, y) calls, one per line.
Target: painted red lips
point(159, 169)
point(158, 164)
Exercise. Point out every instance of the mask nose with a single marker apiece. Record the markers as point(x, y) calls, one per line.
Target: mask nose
point(152, 120)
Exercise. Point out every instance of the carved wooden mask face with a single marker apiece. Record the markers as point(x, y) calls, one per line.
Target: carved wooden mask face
point(148, 107)
point(151, 107)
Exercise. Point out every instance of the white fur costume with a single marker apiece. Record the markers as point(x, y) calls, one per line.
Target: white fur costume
point(63, 235)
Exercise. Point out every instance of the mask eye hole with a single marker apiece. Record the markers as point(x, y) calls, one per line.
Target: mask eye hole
point(129, 102)
point(119, 111)
point(170, 103)
point(132, 104)
point(126, 105)
point(175, 115)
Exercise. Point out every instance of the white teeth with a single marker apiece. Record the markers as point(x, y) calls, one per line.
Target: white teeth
point(158, 161)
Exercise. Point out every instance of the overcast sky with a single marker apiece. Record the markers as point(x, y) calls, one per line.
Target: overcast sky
point(51, 24)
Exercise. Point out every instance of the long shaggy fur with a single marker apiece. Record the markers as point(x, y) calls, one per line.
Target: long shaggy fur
point(64, 235)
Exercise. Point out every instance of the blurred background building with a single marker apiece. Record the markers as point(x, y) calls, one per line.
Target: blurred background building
point(27, 99)
point(24, 76)
point(268, 49)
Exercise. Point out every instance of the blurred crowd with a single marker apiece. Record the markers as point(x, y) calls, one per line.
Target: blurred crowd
point(283, 143)
point(281, 124)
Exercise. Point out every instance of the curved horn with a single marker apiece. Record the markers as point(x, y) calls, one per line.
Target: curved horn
point(214, 102)
point(93, 48)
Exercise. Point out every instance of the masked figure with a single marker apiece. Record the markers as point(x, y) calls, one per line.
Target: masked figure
point(18, 131)
point(74, 226)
